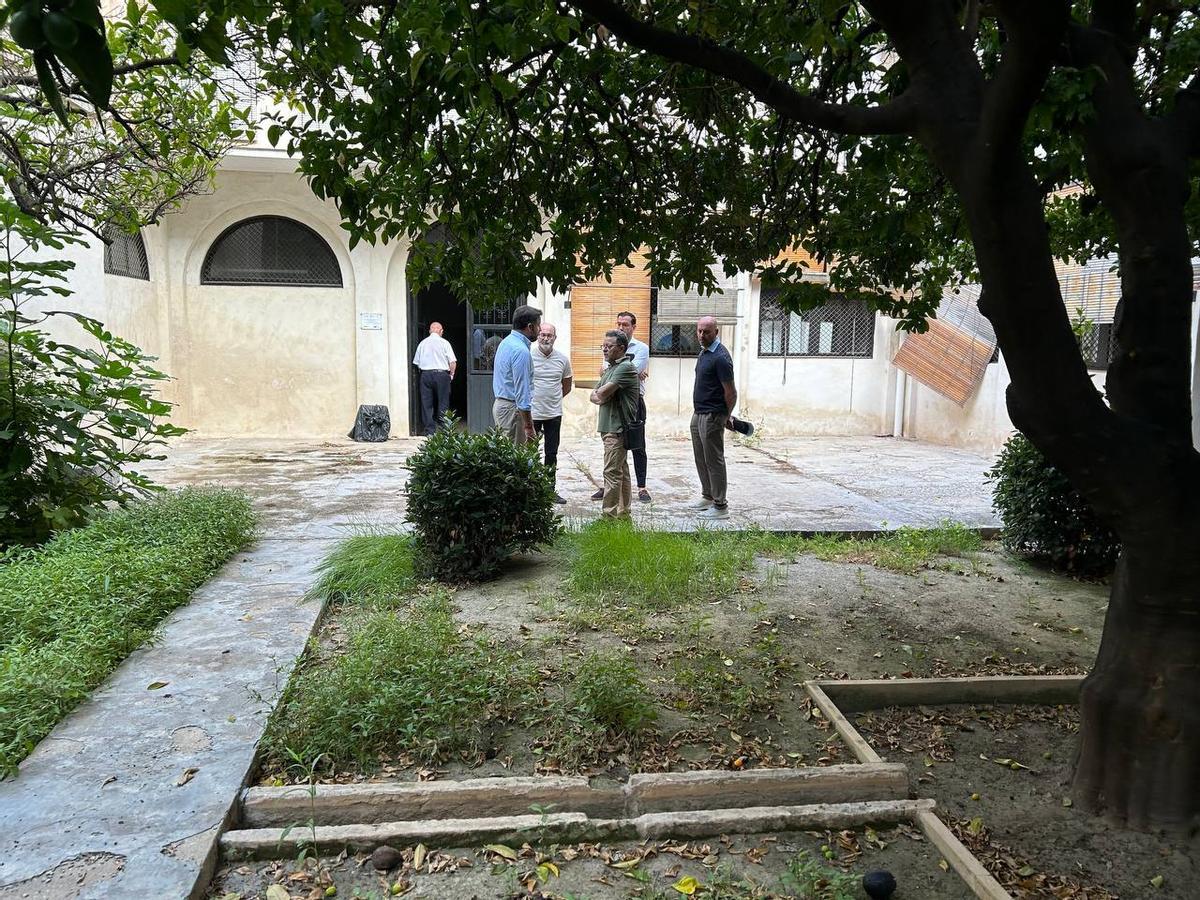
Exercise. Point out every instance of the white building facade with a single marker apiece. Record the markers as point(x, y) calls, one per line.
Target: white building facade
point(272, 327)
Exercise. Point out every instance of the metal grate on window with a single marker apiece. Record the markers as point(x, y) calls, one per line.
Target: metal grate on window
point(839, 327)
point(673, 340)
point(271, 250)
point(1100, 345)
point(125, 254)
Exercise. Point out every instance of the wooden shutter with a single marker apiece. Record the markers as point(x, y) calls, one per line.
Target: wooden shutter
point(594, 308)
point(946, 358)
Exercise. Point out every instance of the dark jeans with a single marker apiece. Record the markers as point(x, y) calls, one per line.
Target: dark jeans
point(435, 397)
point(552, 428)
point(639, 456)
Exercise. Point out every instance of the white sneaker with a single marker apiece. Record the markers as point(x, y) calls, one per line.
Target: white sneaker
point(702, 503)
point(715, 512)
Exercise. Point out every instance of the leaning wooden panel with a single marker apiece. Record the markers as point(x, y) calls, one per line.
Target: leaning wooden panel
point(946, 359)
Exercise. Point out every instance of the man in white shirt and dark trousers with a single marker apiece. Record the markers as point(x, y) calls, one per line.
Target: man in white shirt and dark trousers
point(627, 322)
point(552, 380)
point(437, 362)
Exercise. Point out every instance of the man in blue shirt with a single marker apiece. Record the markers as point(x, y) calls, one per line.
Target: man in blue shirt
point(713, 399)
point(512, 377)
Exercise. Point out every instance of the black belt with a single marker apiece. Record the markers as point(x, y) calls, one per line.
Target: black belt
point(447, 371)
point(508, 399)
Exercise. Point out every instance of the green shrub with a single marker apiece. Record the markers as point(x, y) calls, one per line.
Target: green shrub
point(74, 421)
point(1045, 517)
point(607, 690)
point(370, 569)
point(407, 681)
point(474, 500)
point(73, 609)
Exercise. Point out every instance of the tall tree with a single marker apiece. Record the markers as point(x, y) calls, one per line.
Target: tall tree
point(921, 143)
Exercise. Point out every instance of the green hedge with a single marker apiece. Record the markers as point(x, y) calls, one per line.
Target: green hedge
point(73, 609)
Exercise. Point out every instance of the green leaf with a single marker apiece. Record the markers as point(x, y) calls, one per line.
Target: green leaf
point(91, 62)
point(49, 85)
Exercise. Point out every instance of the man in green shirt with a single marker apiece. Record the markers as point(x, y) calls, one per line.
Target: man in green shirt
point(617, 396)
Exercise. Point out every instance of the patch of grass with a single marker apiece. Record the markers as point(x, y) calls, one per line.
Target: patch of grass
point(904, 550)
point(407, 681)
point(608, 690)
point(712, 677)
point(807, 877)
point(650, 571)
point(604, 703)
point(368, 569)
point(72, 610)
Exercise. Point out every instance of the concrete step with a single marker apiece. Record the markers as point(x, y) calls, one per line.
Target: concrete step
point(489, 797)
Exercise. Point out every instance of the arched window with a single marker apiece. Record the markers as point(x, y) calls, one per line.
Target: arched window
point(271, 250)
point(125, 254)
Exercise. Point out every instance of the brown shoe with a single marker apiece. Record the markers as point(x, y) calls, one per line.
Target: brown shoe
point(599, 495)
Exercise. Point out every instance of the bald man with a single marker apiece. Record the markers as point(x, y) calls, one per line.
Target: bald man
point(713, 400)
point(437, 362)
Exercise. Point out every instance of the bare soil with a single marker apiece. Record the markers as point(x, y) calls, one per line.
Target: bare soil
point(725, 678)
point(746, 867)
point(1001, 779)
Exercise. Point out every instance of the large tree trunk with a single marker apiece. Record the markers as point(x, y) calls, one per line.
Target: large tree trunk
point(1139, 755)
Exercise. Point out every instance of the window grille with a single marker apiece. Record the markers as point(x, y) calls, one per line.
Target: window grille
point(839, 327)
point(271, 250)
point(1100, 346)
point(125, 254)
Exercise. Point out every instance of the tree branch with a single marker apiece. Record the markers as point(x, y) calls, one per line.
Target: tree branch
point(896, 117)
point(1035, 31)
point(76, 88)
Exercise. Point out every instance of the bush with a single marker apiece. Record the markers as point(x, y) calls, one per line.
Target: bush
point(1045, 517)
point(73, 609)
point(73, 420)
point(408, 681)
point(474, 500)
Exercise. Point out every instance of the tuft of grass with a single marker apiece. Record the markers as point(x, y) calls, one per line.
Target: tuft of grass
point(649, 571)
point(905, 550)
point(368, 569)
point(73, 609)
point(407, 681)
point(608, 690)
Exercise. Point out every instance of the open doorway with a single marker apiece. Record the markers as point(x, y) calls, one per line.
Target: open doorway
point(437, 303)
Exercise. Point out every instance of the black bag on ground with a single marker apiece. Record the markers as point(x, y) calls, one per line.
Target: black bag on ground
point(372, 424)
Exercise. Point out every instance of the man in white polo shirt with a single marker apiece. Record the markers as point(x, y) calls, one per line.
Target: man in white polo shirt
point(437, 362)
point(552, 380)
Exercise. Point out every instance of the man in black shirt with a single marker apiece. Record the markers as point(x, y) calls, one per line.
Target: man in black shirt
point(713, 399)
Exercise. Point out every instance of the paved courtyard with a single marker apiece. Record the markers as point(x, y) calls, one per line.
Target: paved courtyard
point(333, 488)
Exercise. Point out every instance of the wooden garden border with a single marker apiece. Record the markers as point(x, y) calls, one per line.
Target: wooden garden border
point(832, 697)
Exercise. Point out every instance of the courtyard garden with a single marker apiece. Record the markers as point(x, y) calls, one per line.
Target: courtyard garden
point(614, 652)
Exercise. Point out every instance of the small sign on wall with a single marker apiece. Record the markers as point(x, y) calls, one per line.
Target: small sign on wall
point(368, 321)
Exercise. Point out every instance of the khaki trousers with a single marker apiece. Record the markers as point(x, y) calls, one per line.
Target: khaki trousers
point(708, 446)
point(617, 489)
point(508, 420)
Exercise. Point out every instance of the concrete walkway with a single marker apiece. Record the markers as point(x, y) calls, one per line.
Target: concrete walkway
point(126, 798)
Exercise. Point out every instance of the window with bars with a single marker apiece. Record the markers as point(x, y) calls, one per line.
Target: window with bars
point(1100, 346)
point(674, 312)
point(271, 250)
point(839, 327)
point(125, 254)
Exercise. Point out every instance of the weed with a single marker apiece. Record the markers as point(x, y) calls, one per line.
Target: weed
point(72, 610)
point(608, 690)
point(808, 878)
point(904, 550)
point(368, 569)
point(408, 681)
point(736, 681)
